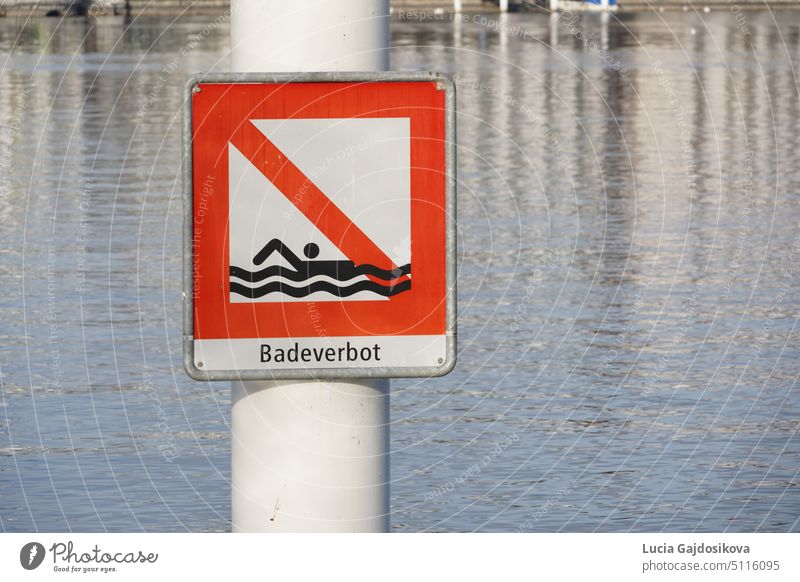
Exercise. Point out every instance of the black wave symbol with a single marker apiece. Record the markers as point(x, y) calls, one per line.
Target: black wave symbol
point(308, 268)
point(338, 274)
point(325, 286)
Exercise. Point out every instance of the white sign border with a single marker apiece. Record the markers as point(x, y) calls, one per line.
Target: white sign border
point(449, 361)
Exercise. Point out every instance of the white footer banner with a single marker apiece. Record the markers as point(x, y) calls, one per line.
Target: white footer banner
point(401, 351)
point(369, 557)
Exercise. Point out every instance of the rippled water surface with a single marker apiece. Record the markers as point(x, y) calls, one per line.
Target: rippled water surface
point(628, 280)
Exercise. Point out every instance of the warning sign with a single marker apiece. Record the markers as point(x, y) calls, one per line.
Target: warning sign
point(319, 232)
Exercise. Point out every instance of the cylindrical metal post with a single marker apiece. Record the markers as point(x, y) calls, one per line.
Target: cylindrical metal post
point(503, 5)
point(310, 456)
point(456, 5)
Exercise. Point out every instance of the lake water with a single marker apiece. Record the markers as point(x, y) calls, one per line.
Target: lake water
point(629, 266)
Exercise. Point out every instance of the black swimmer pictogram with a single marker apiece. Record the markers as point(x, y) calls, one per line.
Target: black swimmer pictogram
point(303, 270)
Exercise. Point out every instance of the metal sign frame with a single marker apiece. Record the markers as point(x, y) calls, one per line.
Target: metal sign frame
point(450, 227)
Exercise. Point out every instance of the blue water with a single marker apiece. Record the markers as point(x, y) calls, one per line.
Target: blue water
point(628, 280)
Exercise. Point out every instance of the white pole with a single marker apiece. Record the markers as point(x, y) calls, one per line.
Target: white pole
point(604, 4)
point(456, 5)
point(503, 5)
point(310, 456)
point(554, 18)
point(553, 5)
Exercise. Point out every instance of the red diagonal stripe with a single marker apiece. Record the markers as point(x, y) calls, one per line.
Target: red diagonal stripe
point(310, 200)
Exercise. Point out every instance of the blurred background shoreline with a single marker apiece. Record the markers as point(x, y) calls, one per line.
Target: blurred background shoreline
point(423, 9)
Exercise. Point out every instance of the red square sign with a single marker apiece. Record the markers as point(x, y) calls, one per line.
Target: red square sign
point(320, 226)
